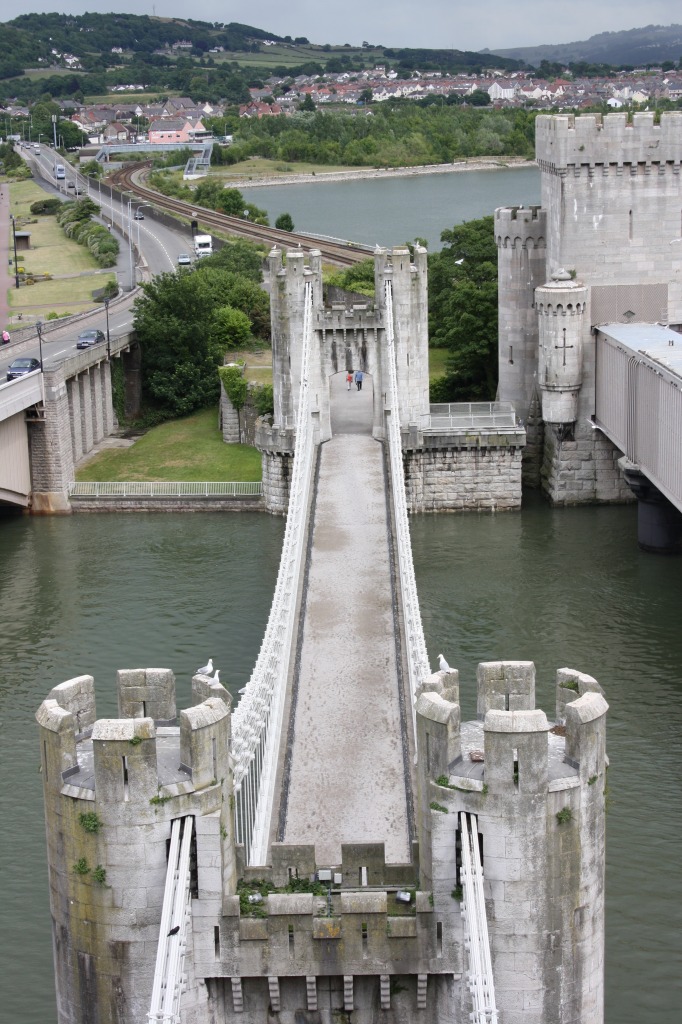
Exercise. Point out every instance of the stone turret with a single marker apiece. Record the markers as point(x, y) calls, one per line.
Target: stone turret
point(112, 788)
point(561, 306)
point(537, 791)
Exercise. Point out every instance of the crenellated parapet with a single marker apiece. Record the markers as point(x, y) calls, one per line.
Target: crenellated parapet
point(536, 789)
point(566, 141)
point(520, 227)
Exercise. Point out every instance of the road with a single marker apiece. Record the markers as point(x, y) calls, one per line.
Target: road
point(158, 244)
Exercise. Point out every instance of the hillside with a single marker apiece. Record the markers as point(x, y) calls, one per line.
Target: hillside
point(636, 47)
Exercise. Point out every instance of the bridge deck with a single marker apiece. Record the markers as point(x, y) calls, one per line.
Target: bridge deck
point(347, 777)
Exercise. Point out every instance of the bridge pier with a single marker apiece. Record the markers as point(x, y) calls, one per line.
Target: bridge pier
point(50, 447)
point(659, 523)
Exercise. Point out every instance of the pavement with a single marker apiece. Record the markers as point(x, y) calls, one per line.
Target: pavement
point(347, 778)
point(6, 278)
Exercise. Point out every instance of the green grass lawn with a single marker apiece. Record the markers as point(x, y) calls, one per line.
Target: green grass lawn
point(187, 449)
point(261, 168)
point(53, 253)
point(437, 359)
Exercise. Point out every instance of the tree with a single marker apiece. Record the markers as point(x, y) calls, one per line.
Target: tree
point(307, 103)
point(230, 328)
point(284, 222)
point(463, 310)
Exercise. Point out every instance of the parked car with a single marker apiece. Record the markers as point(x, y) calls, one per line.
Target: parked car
point(88, 338)
point(184, 260)
point(20, 367)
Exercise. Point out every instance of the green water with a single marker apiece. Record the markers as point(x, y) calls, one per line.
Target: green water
point(90, 594)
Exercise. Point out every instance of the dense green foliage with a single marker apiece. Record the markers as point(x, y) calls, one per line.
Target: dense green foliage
point(211, 194)
point(403, 134)
point(358, 278)
point(46, 206)
point(187, 320)
point(76, 220)
point(285, 222)
point(463, 312)
point(10, 162)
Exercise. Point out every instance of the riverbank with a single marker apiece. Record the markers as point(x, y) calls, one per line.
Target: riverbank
point(358, 173)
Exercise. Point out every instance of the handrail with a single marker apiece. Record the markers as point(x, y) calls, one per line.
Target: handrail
point(477, 941)
point(170, 952)
point(257, 720)
point(163, 488)
point(417, 658)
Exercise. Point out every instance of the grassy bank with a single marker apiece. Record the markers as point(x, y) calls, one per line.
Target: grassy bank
point(187, 449)
point(74, 271)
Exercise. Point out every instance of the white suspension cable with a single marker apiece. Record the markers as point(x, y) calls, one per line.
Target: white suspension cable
point(476, 939)
point(417, 658)
point(257, 720)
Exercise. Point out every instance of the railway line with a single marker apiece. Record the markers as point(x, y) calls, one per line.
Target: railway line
point(332, 252)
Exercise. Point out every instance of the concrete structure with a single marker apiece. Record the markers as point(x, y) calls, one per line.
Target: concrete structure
point(50, 420)
point(598, 251)
point(475, 469)
point(311, 951)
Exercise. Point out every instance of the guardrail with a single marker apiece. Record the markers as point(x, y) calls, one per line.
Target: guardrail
point(257, 719)
point(163, 489)
point(469, 416)
point(417, 658)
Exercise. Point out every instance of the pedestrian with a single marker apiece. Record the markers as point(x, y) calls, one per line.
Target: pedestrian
point(349, 379)
point(5, 338)
point(358, 379)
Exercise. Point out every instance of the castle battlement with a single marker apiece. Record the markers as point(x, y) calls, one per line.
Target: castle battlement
point(563, 141)
point(520, 227)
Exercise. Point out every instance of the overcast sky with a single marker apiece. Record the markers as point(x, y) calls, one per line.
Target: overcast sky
point(455, 24)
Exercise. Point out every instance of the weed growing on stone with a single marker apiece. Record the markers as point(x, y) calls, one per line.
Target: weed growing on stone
point(438, 807)
point(91, 822)
point(100, 874)
point(81, 867)
point(564, 816)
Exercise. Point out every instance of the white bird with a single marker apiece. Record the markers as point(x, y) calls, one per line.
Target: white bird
point(216, 677)
point(442, 664)
point(206, 670)
point(242, 691)
point(459, 262)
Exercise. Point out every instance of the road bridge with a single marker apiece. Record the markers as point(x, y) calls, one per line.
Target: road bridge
point(340, 842)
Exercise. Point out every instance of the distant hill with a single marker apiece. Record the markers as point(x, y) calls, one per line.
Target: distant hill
point(637, 47)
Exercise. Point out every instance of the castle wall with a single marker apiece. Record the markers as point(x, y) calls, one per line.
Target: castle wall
point(478, 473)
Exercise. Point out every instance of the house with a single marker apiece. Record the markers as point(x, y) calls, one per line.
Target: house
point(178, 130)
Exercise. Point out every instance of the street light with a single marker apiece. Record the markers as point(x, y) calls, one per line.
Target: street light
point(14, 238)
point(39, 329)
point(106, 310)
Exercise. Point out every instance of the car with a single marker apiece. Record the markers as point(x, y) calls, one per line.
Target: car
point(70, 184)
point(78, 191)
point(88, 338)
point(20, 367)
point(138, 215)
point(184, 260)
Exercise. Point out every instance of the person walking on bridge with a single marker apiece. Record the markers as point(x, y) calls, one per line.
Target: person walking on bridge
point(349, 379)
point(359, 375)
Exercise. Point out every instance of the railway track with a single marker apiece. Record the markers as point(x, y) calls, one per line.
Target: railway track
point(332, 252)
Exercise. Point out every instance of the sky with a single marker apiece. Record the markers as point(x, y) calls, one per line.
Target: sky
point(495, 24)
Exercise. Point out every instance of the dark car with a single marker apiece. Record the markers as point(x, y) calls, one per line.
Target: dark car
point(20, 367)
point(88, 338)
point(138, 215)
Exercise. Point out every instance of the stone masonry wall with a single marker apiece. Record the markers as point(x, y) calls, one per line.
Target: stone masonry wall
point(583, 468)
point(463, 479)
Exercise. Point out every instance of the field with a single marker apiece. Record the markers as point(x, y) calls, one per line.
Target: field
point(259, 167)
point(293, 55)
point(187, 449)
point(74, 271)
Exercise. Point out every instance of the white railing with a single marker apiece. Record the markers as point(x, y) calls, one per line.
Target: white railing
point(257, 720)
point(476, 940)
point(175, 912)
point(417, 658)
point(163, 489)
point(469, 416)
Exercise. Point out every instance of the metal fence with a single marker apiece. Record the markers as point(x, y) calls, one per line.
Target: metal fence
point(468, 416)
point(164, 489)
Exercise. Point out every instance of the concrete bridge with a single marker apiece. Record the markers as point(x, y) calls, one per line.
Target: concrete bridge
point(52, 417)
point(340, 843)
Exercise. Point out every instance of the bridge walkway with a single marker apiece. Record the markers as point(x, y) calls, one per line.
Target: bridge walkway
point(345, 772)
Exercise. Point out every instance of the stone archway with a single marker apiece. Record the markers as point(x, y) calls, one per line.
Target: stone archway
point(351, 411)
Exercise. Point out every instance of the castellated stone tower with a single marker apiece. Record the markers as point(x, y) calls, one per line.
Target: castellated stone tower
point(611, 200)
point(537, 791)
point(112, 788)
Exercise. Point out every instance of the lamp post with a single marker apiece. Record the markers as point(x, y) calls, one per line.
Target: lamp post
point(39, 329)
point(106, 310)
point(14, 239)
point(54, 131)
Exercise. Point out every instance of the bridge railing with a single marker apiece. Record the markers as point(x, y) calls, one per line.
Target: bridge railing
point(477, 941)
point(163, 488)
point(257, 720)
point(170, 952)
point(417, 658)
point(469, 416)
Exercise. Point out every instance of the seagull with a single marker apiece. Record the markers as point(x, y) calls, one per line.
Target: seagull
point(206, 669)
point(216, 677)
point(174, 931)
point(442, 664)
point(242, 691)
point(459, 262)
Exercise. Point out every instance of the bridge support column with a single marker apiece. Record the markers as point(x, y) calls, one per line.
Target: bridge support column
point(132, 370)
point(96, 398)
point(73, 388)
point(85, 385)
point(107, 398)
point(51, 448)
point(659, 523)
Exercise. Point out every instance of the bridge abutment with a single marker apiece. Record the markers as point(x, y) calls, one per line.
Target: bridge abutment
point(659, 523)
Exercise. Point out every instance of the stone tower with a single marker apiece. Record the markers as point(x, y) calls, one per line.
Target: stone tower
point(537, 790)
point(112, 789)
point(611, 197)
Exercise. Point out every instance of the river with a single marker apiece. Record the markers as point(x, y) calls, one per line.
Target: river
point(91, 594)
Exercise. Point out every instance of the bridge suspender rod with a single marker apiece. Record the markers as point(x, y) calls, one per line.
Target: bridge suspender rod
point(477, 941)
point(417, 658)
point(170, 953)
point(257, 720)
